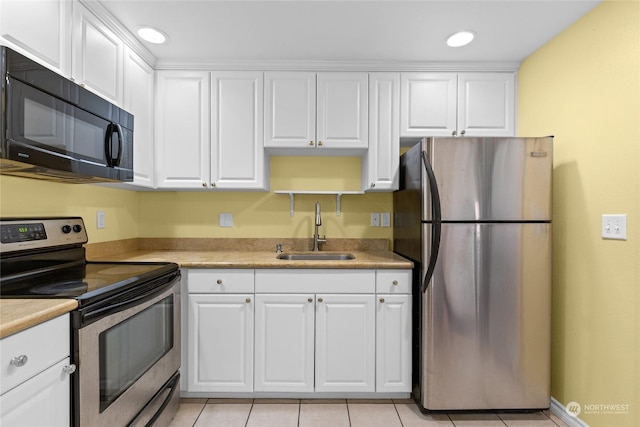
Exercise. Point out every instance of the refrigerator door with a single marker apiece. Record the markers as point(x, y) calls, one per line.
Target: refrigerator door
point(486, 318)
point(490, 179)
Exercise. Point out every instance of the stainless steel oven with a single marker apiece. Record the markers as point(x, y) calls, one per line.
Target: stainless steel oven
point(125, 332)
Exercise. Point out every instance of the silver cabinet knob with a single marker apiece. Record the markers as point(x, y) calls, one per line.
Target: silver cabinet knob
point(394, 283)
point(219, 281)
point(319, 143)
point(381, 300)
point(454, 133)
point(320, 300)
point(204, 184)
point(373, 184)
point(19, 360)
point(310, 300)
point(248, 300)
point(213, 184)
point(463, 132)
point(69, 369)
point(311, 143)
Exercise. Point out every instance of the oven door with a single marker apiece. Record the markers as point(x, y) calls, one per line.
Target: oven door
point(128, 360)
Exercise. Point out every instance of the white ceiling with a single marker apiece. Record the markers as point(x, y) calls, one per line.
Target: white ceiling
point(349, 31)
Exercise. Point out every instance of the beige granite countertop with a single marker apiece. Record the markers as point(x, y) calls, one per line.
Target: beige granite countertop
point(19, 314)
point(261, 259)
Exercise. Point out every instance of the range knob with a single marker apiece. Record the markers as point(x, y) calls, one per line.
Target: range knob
point(66, 229)
point(77, 228)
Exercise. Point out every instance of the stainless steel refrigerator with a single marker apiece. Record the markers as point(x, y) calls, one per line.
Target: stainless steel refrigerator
point(474, 214)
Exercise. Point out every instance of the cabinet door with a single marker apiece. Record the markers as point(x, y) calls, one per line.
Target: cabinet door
point(393, 343)
point(98, 54)
point(342, 110)
point(284, 340)
point(486, 104)
point(428, 104)
point(40, 30)
point(43, 400)
point(182, 129)
point(290, 110)
point(138, 100)
point(220, 345)
point(382, 160)
point(345, 343)
point(237, 151)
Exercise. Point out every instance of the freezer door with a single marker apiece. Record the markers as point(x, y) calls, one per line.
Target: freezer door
point(490, 179)
point(485, 340)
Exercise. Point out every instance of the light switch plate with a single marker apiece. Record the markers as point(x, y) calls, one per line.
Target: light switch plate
point(100, 220)
point(386, 219)
point(614, 226)
point(226, 220)
point(375, 219)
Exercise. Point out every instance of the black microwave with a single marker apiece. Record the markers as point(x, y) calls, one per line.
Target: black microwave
point(54, 129)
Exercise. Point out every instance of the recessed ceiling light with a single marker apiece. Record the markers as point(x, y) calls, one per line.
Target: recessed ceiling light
point(461, 38)
point(152, 35)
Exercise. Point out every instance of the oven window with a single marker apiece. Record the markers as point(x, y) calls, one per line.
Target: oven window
point(130, 348)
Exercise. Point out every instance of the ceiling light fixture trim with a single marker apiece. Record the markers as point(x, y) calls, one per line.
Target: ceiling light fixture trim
point(152, 35)
point(460, 38)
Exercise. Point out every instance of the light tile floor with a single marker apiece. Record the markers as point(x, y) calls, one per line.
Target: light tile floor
point(341, 413)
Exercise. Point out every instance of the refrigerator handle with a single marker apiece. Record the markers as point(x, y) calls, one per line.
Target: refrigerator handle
point(436, 221)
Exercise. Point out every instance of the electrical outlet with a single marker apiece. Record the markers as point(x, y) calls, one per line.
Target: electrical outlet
point(375, 220)
point(386, 219)
point(100, 220)
point(225, 220)
point(614, 227)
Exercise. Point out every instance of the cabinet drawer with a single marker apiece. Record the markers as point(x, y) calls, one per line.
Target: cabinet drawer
point(393, 281)
point(44, 345)
point(219, 281)
point(337, 281)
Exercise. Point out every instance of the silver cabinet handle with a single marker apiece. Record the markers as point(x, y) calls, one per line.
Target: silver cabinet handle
point(320, 143)
point(19, 360)
point(310, 300)
point(373, 184)
point(248, 300)
point(69, 369)
point(219, 281)
point(320, 299)
point(394, 283)
point(382, 300)
point(454, 133)
point(204, 184)
point(463, 132)
point(311, 143)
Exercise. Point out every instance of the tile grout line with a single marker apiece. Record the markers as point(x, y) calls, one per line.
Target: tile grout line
point(397, 413)
point(249, 414)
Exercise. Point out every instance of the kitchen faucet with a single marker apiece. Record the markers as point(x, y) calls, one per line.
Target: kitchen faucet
point(316, 236)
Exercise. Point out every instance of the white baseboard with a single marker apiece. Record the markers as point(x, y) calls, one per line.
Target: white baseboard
point(560, 411)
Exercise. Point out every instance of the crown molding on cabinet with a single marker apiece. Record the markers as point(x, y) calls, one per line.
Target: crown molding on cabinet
point(329, 65)
point(114, 25)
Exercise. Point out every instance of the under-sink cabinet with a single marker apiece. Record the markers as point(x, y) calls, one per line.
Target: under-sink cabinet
point(306, 331)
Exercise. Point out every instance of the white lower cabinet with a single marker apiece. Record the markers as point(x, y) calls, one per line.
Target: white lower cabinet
point(298, 331)
point(284, 342)
point(35, 382)
point(219, 332)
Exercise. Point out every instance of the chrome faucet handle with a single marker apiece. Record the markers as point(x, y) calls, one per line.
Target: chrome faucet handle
point(318, 216)
point(278, 248)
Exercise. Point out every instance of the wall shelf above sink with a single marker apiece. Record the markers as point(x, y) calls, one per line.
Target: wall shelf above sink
point(292, 194)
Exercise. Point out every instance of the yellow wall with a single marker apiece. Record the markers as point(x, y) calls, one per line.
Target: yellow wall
point(584, 88)
point(195, 214)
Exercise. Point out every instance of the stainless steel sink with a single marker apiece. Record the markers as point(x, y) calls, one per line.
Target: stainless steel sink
point(316, 256)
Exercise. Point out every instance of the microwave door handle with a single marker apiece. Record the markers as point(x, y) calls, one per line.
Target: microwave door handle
point(436, 221)
point(108, 153)
point(118, 159)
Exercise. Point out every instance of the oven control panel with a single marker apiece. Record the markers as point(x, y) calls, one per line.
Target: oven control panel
point(17, 234)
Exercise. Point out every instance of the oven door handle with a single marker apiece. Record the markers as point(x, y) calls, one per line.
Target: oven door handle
point(172, 386)
point(129, 301)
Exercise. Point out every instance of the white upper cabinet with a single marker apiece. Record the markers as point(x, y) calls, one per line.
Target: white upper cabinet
point(486, 104)
point(380, 163)
point(237, 153)
point(138, 99)
point(457, 104)
point(40, 30)
point(342, 100)
point(182, 129)
point(290, 109)
point(316, 110)
point(98, 55)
